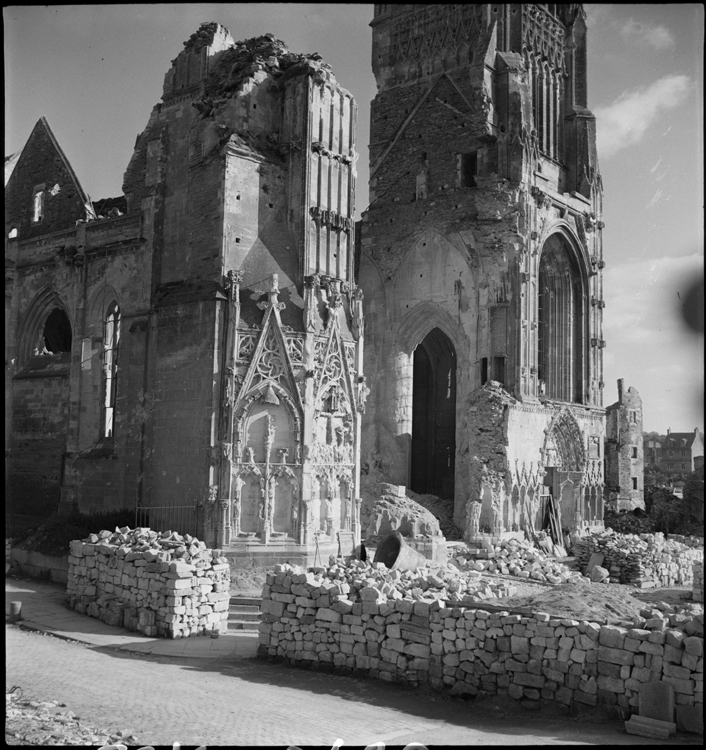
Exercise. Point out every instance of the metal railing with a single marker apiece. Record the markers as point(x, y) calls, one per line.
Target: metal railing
point(184, 519)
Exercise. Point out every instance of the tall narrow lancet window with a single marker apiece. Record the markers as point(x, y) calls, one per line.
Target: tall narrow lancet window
point(561, 319)
point(111, 340)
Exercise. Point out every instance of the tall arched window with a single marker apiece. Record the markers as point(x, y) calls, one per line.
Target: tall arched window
point(111, 339)
point(560, 355)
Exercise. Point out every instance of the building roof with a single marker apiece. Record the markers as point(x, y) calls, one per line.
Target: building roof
point(10, 162)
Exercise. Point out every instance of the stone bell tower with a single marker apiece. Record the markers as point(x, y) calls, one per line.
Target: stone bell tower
point(481, 261)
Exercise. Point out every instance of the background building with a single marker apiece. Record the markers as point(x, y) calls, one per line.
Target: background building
point(675, 452)
point(481, 261)
point(624, 460)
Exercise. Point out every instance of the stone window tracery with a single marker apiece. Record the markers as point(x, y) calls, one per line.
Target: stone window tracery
point(38, 204)
point(111, 340)
point(560, 357)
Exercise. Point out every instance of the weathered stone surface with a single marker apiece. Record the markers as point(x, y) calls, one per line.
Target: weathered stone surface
point(690, 719)
point(657, 701)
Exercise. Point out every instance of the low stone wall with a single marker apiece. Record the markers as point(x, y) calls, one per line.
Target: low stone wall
point(643, 560)
point(698, 585)
point(157, 584)
point(311, 619)
point(37, 564)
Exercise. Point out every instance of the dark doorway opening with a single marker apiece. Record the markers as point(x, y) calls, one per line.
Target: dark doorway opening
point(434, 416)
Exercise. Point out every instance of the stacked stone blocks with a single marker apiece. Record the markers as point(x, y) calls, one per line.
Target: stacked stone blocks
point(642, 560)
point(150, 583)
point(321, 620)
point(698, 585)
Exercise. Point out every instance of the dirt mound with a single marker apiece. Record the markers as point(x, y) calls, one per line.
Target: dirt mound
point(581, 601)
point(443, 510)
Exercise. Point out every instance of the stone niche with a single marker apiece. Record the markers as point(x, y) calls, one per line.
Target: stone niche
point(392, 511)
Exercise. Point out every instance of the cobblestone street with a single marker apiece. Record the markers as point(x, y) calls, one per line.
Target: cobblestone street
point(241, 701)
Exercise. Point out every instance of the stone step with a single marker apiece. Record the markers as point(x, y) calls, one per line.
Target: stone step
point(253, 601)
point(244, 613)
point(241, 613)
point(246, 625)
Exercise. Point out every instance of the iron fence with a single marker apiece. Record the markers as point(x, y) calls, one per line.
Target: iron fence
point(184, 519)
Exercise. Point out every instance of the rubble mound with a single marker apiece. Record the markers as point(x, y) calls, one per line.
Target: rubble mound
point(515, 557)
point(614, 604)
point(391, 511)
point(581, 600)
point(442, 510)
point(41, 723)
point(267, 53)
point(155, 546)
point(360, 580)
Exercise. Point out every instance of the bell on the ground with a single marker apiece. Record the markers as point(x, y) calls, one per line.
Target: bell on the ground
point(396, 554)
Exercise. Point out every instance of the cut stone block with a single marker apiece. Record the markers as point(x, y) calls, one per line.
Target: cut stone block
point(646, 727)
point(690, 719)
point(595, 559)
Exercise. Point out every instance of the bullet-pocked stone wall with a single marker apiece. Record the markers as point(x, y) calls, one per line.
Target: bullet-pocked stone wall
point(147, 589)
point(532, 658)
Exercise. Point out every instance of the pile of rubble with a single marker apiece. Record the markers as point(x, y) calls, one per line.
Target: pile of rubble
point(391, 511)
point(698, 584)
point(35, 722)
point(514, 557)
point(644, 560)
point(444, 582)
point(156, 583)
point(688, 616)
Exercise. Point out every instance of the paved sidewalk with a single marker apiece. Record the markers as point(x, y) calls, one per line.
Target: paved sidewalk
point(44, 608)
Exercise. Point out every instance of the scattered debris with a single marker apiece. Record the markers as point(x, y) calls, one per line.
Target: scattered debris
point(34, 722)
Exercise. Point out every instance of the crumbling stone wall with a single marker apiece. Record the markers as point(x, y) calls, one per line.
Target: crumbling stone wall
point(624, 453)
point(233, 272)
point(319, 621)
point(158, 584)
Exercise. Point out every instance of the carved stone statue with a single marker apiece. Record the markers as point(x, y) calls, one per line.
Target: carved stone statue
point(474, 509)
point(357, 313)
point(496, 507)
point(363, 393)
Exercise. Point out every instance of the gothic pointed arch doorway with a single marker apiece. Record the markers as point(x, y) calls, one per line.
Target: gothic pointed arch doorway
point(433, 416)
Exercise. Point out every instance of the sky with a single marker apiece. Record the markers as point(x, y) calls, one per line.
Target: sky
point(96, 71)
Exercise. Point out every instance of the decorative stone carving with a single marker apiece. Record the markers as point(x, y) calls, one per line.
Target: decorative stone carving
point(541, 198)
point(326, 217)
point(474, 508)
point(441, 28)
point(357, 313)
point(311, 312)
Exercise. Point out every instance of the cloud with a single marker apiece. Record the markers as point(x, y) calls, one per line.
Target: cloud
point(658, 37)
point(624, 122)
point(649, 344)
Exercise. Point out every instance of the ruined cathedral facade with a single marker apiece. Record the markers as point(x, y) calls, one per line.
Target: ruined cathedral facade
point(480, 258)
point(193, 349)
